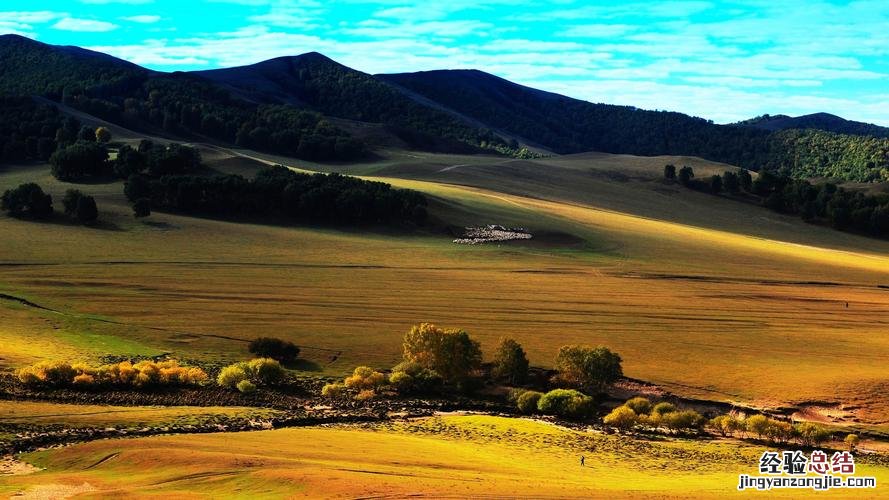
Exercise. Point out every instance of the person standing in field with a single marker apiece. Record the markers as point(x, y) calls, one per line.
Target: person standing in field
point(582, 459)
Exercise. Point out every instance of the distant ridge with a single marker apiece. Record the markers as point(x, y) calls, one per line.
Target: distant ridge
point(818, 121)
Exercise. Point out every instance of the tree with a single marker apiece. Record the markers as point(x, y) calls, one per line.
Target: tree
point(528, 401)
point(142, 207)
point(686, 174)
point(451, 353)
point(669, 172)
point(86, 134)
point(78, 161)
point(268, 347)
point(811, 434)
point(758, 424)
point(137, 187)
point(715, 184)
point(731, 183)
point(639, 405)
point(86, 211)
point(566, 403)
point(852, 441)
point(103, 135)
point(592, 369)
point(27, 200)
point(745, 180)
point(622, 417)
point(69, 201)
point(510, 362)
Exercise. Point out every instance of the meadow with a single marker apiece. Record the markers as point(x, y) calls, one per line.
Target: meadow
point(442, 457)
point(705, 296)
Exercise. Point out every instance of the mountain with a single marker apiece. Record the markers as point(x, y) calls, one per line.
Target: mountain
point(317, 82)
point(818, 121)
point(31, 67)
point(310, 106)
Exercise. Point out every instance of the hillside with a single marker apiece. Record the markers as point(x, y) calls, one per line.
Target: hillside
point(313, 80)
point(310, 106)
point(819, 121)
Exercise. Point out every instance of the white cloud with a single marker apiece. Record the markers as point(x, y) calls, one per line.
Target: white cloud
point(84, 25)
point(143, 19)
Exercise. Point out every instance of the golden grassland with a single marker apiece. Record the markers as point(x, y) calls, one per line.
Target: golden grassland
point(452, 457)
point(88, 415)
point(707, 296)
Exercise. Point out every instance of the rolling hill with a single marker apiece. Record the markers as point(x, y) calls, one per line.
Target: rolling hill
point(314, 108)
point(819, 121)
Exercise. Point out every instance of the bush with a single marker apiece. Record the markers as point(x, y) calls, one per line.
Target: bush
point(453, 354)
point(142, 374)
point(852, 441)
point(79, 161)
point(662, 409)
point(142, 207)
point(778, 431)
point(566, 403)
point(724, 425)
point(87, 212)
point(246, 387)
point(685, 420)
point(622, 417)
point(510, 362)
point(332, 391)
point(268, 347)
point(811, 434)
point(757, 424)
point(232, 375)
point(412, 378)
point(365, 395)
point(639, 405)
point(528, 401)
point(27, 200)
point(103, 135)
point(265, 371)
point(365, 378)
point(592, 369)
point(69, 201)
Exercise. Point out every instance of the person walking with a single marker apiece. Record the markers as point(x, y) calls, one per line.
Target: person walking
point(582, 459)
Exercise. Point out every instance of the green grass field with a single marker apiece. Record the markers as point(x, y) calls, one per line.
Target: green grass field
point(707, 296)
point(445, 457)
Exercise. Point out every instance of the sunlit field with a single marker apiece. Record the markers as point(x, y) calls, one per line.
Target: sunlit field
point(447, 457)
point(744, 314)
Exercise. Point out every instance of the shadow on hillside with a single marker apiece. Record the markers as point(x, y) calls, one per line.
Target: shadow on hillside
point(303, 365)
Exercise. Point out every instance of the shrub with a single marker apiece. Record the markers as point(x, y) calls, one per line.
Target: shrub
point(142, 207)
point(453, 354)
point(268, 347)
point(143, 373)
point(758, 424)
point(721, 424)
point(365, 378)
point(103, 135)
point(332, 391)
point(639, 405)
point(265, 371)
point(413, 378)
point(69, 201)
point(593, 369)
point(87, 212)
point(27, 200)
point(852, 441)
point(685, 420)
point(232, 375)
point(662, 409)
point(566, 403)
point(811, 434)
point(510, 362)
point(365, 395)
point(246, 387)
point(778, 431)
point(528, 401)
point(78, 161)
point(622, 417)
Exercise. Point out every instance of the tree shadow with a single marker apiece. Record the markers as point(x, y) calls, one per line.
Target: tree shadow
point(303, 365)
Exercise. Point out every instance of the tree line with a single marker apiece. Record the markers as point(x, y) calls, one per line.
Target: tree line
point(278, 191)
point(827, 203)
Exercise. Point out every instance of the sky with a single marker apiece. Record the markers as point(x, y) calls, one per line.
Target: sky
point(721, 60)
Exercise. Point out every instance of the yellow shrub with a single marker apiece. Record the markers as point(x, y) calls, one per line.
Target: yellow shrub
point(365, 395)
point(365, 378)
point(84, 379)
point(332, 390)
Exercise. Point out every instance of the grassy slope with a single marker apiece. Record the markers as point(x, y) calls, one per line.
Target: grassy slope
point(441, 457)
point(755, 329)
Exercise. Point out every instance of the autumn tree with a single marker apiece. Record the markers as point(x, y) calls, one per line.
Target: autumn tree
point(453, 354)
point(510, 362)
point(592, 369)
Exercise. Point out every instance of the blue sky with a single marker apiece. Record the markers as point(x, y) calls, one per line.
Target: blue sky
point(722, 60)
